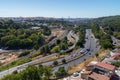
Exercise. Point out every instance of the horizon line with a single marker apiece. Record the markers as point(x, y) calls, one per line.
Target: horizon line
point(51, 17)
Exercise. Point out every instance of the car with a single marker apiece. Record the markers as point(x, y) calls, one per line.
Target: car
point(75, 74)
point(82, 51)
point(88, 49)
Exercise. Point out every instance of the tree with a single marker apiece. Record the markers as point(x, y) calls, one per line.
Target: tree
point(117, 64)
point(81, 39)
point(58, 41)
point(45, 49)
point(63, 46)
point(61, 72)
point(117, 35)
point(31, 73)
point(55, 63)
point(6, 38)
point(55, 49)
point(12, 77)
point(13, 44)
point(65, 40)
point(64, 61)
point(24, 53)
point(46, 31)
point(26, 43)
point(80, 43)
point(12, 38)
point(96, 54)
point(106, 44)
point(15, 72)
point(47, 72)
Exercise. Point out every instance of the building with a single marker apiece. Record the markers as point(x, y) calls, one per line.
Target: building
point(104, 68)
point(98, 71)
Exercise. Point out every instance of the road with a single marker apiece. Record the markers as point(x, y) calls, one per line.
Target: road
point(59, 37)
point(23, 66)
point(20, 67)
point(76, 38)
point(90, 43)
point(54, 40)
point(115, 41)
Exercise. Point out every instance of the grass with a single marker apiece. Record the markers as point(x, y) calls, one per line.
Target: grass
point(14, 63)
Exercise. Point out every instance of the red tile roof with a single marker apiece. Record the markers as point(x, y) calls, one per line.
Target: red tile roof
point(106, 66)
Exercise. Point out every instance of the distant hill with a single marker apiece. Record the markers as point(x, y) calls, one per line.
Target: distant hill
point(109, 22)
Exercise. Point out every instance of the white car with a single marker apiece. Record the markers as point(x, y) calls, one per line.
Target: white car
point(75, 74)
point(82, 51)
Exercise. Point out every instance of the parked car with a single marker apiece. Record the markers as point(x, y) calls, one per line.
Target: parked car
point(75, 74)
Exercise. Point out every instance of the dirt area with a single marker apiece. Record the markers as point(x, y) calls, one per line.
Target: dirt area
point(7, 57)
point(70, 39)
point(57, 32)
point(80, 66)
point(83, 64)
point(102, 53)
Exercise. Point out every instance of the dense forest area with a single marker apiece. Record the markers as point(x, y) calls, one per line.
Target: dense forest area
point(20, 36)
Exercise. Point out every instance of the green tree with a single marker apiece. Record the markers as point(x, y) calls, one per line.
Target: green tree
point(31, 73)
point(58, 41)
point(61, 72)
point(47, 72)
point(55, 49)
point(13, 44)
point(96, 54)
point(63, 61)
point(24, 53)
point(117, 64)
point(55, 63)
point(46, 31)
point(106, 44)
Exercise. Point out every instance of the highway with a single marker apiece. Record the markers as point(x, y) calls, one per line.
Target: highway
point(23, 66)
point(115, 41)
point(90, 44)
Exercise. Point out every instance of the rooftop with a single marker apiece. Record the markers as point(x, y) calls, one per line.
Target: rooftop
point(106, 66)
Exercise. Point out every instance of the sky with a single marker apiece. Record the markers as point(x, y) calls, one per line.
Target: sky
point(59, 8)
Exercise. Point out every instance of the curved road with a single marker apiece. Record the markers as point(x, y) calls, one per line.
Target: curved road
point(23, 66)
point(90, 43)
